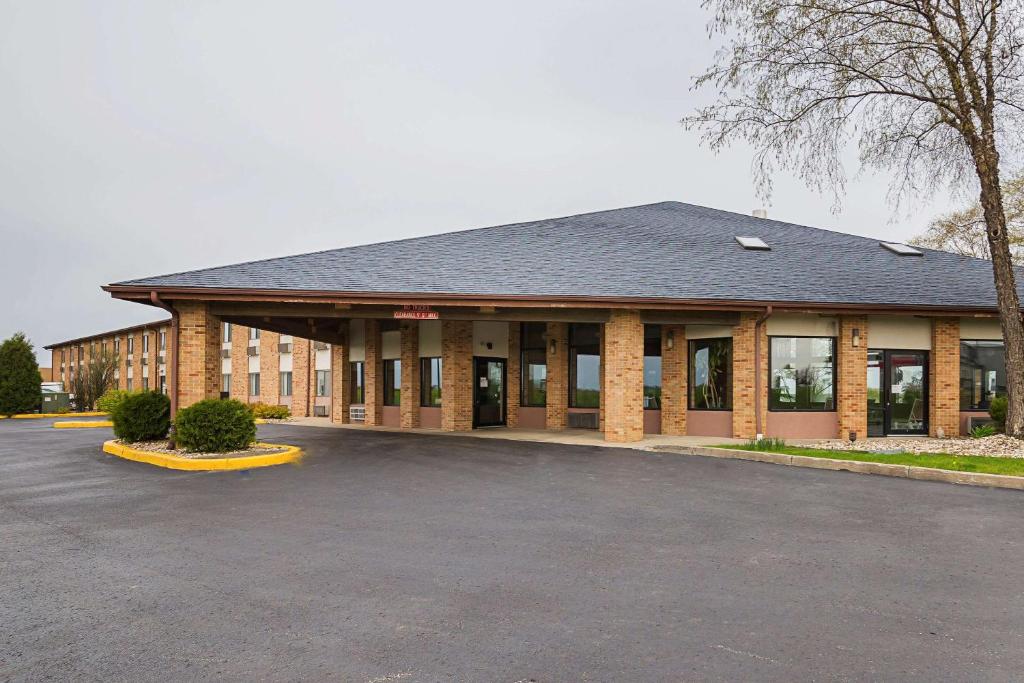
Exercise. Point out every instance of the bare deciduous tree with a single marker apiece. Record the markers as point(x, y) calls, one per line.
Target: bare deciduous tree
point(94, 379)
point(963, 231)
point(928, 89)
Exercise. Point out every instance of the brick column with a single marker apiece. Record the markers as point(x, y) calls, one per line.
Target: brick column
point(601, 412)
point(240, 363)
point(674, 396)
point(557, 411)
point(341, 380)
point(137, 356)
point(154, 361)
point(122, 362)
point(513, 392)
point(301, 358)
point(374, 374)
point(852, 377)
point(456, 375)
point(270, 368)
point(743, 418)
point(410, 356)
point(198, 354)
point(944, 378)
point(623, 384)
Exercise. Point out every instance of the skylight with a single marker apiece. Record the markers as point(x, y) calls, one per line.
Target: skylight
point(901, 249)
point(753, 243)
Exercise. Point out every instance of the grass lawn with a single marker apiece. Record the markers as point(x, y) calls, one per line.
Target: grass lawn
point(939, 461)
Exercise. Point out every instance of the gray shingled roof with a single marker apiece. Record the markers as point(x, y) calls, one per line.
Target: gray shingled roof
point(668, 250)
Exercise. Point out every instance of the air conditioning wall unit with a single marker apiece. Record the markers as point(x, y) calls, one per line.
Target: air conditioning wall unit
point(225, 353)
point(145, 360)
point(357, 413)
point(253, 351)
point(284, 348)
point(319, 411)
point(583, 420)
point(320, 346)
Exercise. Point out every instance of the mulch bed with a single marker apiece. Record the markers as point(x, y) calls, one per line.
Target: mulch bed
point(1000, 445)
point(161, 447)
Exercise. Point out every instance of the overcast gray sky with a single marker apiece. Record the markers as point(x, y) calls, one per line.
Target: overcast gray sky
point(140, 138)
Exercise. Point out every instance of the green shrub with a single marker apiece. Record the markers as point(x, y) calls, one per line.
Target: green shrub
point(20, 381)
point(109, 401)
point(981, 431)
point(765, 444)
point(214, 426)
point(270, 412)
point(142, 416)
point(997, 411)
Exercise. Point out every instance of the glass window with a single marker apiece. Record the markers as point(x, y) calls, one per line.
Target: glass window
point(534, 364)
point(145, 384)
point(393, 382)
point(652, 367)
point(584, 365)
point(323, 382)
point(162, 387)
point(801, 373)
point(225, 383)
point(145, 343)
point(286, 383)
point(711, 374)
point(430, 381)
point(226, 332)
point(358, 388)
point(982, 373)
point(254, 384)
point(127, 383)
point(117, 347)
point(163, 341)
point(254, 333)
point(131, 344)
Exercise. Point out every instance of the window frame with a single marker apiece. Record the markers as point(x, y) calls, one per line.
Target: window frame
point(661, 367)
point(426, 386)
point(389, 387)
point(326, 374)
point(524, 366)
point(254, 384)
point(691, 375)
point(282, 374)
point(572, 355)
point(835, 374)
point(960, 406)
point(225, 382)
point(357, 386)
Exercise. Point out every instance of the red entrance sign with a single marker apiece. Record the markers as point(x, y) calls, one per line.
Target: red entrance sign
point(417, 313)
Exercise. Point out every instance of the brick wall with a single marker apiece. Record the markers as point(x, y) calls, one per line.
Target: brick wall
point(515, 375)
point(374, 374)
point(240, 363)
point(623, 385)
point(456, 375)
point(557, 410)
point(852, 377)
point(410, 396)
point(674, 389)
point(944, 378)
point(341, 380)
point(270, 368)
point(198, 353)
point(301, 359)
point(743, 419)
point(137, 356)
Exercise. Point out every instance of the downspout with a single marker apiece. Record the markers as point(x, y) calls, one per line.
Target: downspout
point(758, 419)
point(172, 379)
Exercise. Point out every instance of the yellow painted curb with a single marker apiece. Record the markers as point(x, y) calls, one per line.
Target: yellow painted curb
point(70, 424)
point(31, 416)
point(176, 462)
point(260, 421)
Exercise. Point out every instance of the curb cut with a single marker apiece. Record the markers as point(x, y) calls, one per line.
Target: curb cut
point(176, 462)
point(1001, 481)
point(71, 424)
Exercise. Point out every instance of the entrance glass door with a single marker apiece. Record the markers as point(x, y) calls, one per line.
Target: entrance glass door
point(488, 392)
point(897, 392)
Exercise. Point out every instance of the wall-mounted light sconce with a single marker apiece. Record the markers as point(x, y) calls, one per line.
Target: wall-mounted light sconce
point(856, 336)
point(670, 339)
point(553, 346)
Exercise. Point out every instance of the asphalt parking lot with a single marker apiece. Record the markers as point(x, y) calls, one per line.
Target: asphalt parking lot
point(393, 557)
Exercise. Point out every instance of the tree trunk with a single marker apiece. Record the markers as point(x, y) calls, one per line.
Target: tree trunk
point(1006, 287)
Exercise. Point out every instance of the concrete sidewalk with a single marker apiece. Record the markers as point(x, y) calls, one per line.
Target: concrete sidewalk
point(573, 437)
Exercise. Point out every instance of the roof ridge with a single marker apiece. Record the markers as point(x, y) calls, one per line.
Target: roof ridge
point(389, 242)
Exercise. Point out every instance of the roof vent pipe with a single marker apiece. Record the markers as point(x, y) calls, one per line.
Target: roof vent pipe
point(760, 213)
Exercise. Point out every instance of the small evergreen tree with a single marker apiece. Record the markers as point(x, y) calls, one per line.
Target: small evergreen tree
point(20, 381)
